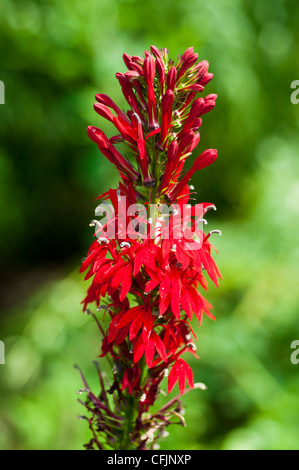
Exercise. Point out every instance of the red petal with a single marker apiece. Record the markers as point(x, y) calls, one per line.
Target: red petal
point(182, 257)
point(87, 261)
point(126, 283)
point(121, 335)
point(175, 294)
point(189, 374)
point(149, 352)
point(151, 285)
point(182, 379)
point(138, 260)
point(164, 303)
point(164, 286)
point(147, 325)
point(160, 346)
point(172, 378)
point(129, 316)
point(135, 326)
point(138, 349)
point(166, 248)
point(186, 302)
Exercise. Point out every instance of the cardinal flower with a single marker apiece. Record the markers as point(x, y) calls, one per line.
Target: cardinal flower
point(149, 268)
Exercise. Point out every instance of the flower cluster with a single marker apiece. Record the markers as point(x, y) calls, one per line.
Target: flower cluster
point(147, 276)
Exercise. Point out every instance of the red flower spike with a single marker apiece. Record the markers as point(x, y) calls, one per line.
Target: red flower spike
point(148, 276)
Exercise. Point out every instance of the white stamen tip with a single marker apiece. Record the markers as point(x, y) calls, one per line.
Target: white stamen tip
point(173, 248)
point(210, 207)
point(191, 346)
point(143, 398)
point(103, 307)
point(200, 386)
point(125, 244)
point(203, 221)
point(94, 223)
point(103, 239)
point(216, 231)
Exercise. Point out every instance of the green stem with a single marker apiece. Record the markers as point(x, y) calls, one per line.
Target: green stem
point(126, 443)
point(131, 414)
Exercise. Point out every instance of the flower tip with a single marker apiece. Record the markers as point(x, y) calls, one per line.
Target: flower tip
point(98, 97)
point(213, 154)
point(92, 131)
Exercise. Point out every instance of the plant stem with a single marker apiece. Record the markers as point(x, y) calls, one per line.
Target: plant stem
point(126, 443)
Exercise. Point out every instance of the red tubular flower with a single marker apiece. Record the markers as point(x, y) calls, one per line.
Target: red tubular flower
point(171, 78)
point(115, 157)
point(167, 102)
point(128, 92)
point(147, 277)
point(187, 60)
point(104, 99)
point(205, 159)
point(149, 70)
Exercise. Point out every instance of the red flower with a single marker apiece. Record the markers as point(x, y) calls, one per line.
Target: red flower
point(181, 372)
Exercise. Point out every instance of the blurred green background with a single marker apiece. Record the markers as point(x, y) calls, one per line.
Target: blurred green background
point(54, 56)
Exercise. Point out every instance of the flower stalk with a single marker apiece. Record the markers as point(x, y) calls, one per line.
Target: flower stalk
point(148, 271)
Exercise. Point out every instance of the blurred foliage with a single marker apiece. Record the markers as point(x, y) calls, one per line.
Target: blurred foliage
point(54, 57)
